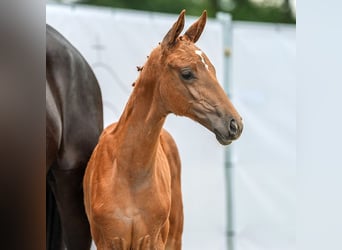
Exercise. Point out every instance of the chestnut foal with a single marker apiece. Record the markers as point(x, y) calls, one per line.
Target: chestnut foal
point(132, 185)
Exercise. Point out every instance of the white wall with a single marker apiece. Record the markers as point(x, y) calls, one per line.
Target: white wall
point(319, 136)
point(264, 89)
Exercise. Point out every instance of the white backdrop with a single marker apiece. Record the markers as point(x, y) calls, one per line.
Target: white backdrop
point(263, 87)
point(264, 160)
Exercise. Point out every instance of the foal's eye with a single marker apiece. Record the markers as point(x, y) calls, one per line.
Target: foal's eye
point(187, 74)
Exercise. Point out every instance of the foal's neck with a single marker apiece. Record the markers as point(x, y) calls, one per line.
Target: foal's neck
point(140, 125)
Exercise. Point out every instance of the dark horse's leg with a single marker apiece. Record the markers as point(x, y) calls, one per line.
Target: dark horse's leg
point(66, 185)
point(53, 223)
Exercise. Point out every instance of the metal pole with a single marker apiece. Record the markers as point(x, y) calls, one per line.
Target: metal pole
point(226, 21)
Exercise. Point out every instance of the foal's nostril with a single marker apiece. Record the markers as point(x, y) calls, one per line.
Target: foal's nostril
point(233, 127)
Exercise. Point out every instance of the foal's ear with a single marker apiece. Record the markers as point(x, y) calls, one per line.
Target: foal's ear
point(171, 36)
point(195, 30)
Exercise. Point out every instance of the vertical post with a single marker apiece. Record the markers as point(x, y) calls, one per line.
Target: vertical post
point(226, 21)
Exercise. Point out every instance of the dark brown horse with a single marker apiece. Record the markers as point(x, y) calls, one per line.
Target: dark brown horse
point(74, 121)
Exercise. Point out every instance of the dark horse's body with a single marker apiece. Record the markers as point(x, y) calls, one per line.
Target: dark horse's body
point(74, 121)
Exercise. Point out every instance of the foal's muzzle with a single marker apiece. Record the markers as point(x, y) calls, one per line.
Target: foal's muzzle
point(231, 130)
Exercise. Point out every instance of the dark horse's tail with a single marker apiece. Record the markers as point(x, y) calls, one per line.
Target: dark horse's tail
point(53, 223)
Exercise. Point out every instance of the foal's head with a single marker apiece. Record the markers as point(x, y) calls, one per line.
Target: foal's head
point(187, 84)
